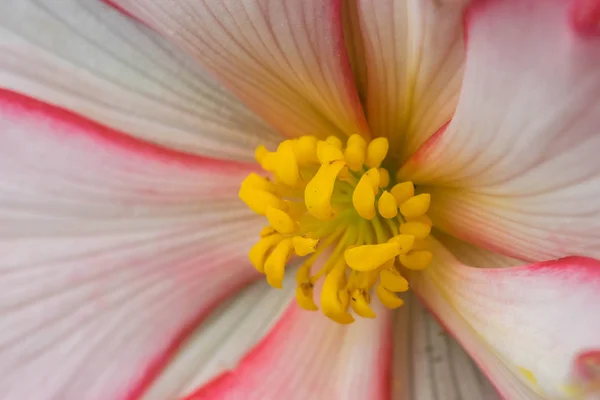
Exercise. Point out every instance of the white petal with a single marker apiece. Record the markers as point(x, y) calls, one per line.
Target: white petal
point(429, 364)
point(525, 326)
point(87, 57)
point(308, 356)
point(221, 342)
point(518, 168)
point(414, 53)
point(286, 59)
point(112, 251)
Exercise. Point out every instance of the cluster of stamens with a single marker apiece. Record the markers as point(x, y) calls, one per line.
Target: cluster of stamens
point(331, 203)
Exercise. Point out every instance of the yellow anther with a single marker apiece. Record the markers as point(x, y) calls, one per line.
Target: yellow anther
point(304, 297)
point(269, 161)
point(391, 279)
point(280, 220)
point(355, 152)
point(259, 251)
point(423, 218)
point(418, 229)
point(360, 304)
point(257, 182)
point(371, 256)
point(363, 198)
point(260, 153)
point(259, 200)
point(275, 264)
point(317, 194)
point(326, 152)
point(374, 178)
point(286, 167)
point(405, 242)
point(387, 205)
point(334, 141)
point(376, 152)
point(416, 205)
point(334, 301)
point(403, 191)
point(306, 150)
point(359, 245)
point(267, 231)
point(384, 177)
point(416, 260)
point(303, 245)
point(387, 298)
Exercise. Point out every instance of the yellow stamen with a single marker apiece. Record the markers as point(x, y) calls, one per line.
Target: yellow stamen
point(258, 252)
point(334, 301)
point(334, 141)
point(387, 298)
point(375, 178)
point(306, 150)
point(387, 206)
point(259, 200)
point(260, 153)
point(303, 246)
point(384, 178)
point(326, 152)
point(391, 279)
point(304, 297)
point(418, 229)
point(416, 205)
point(360, 304)
point(319, 190)
point(275, 264)
point(355, 152)
point(330, 202)
point(416, 260)
point(281, 221)
point(376, 152)
point(403, 191)
point(363, 198)
point(372, 256)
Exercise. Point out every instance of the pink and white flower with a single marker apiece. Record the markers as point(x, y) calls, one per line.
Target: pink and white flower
point(127, 128)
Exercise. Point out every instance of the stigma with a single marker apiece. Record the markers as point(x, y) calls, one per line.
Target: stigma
point(335, 206)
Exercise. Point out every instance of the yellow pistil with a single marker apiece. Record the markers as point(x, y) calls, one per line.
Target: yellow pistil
point(336, 205)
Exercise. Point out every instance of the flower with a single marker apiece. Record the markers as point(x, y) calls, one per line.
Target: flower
point(115, 246)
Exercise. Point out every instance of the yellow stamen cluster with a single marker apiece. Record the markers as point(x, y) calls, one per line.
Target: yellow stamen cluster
point(337, 205)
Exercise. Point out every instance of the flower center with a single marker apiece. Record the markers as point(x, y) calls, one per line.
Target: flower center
point(336, 204)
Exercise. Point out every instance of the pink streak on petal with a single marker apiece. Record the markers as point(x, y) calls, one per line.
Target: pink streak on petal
point(65, 126)
point(74, 124)
point(156, 367)
point(261, 365)
point(584, 16)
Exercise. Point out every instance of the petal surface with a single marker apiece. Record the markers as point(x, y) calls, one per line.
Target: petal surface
point(286, 59)
point(89, 58)
point(428, 363)
point(525, 326)
point(112, 251)
point(414, 53)
point(223, 339)
point(307, 356)
point(517, 169)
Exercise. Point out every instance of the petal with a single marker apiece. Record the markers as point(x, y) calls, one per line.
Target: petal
point(87, 57)
point(518, 165)
point(112, 251)
point(413, 51)
point(223, 339)
point(429, 363)
point(285, 59)
point(525, 326)
point(308, 356)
